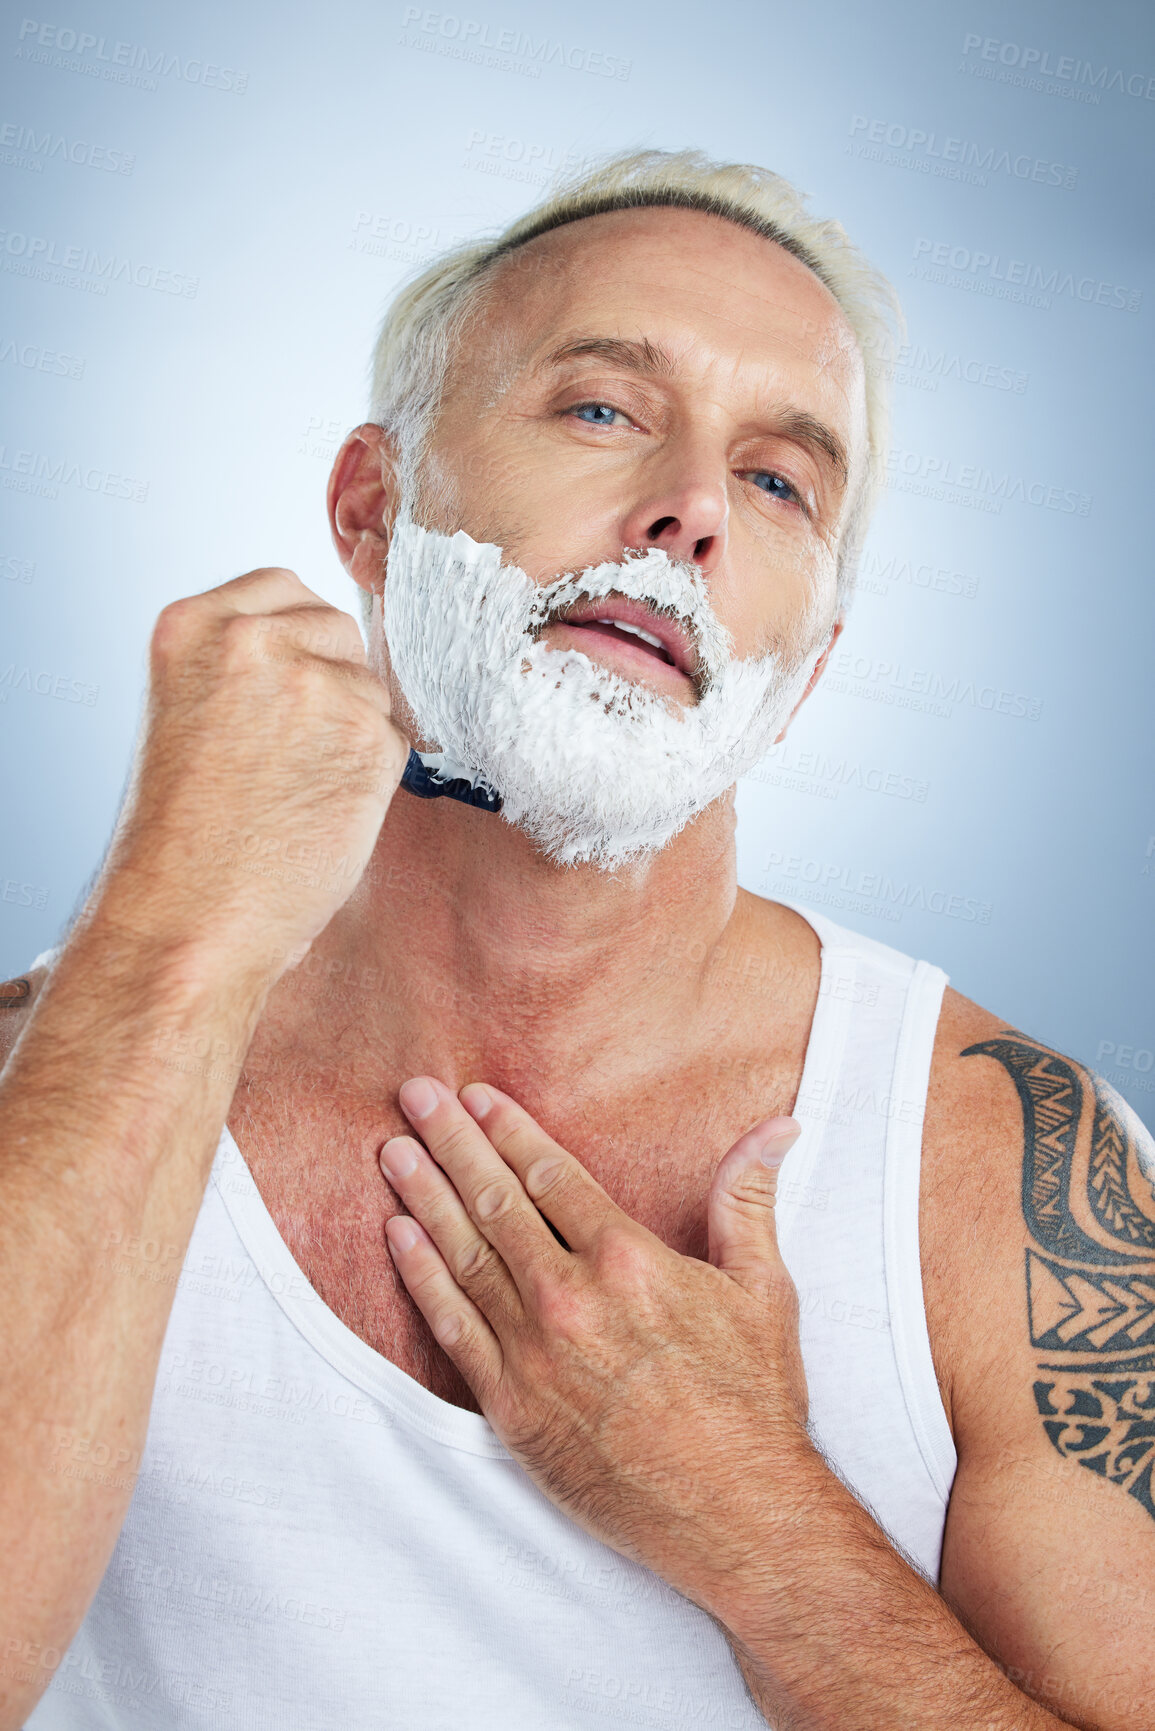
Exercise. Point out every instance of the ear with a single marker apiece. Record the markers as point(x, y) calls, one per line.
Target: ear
point(835, 634)
point(363, 497)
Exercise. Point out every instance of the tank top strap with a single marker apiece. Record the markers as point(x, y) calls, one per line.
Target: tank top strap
point(900, 1224)
point(849, 1235)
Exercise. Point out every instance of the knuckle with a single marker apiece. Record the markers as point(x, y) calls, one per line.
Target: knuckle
point(303, 680)
point(562, 1309)
point(278, 586)
point(345, 634)
point(746, 1204)
point(260, 572)
point(174, 626)
point(623, 1257)
point(547, 1177)
point(324, 631)
point(511, 1134)
point(456, 1139)
point(247, 637)
point(448, 1326)
point(476, 1262)
point(422, 1281)
point(494, 1201)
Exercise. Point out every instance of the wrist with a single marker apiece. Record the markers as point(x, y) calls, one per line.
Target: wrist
point(132, 1050)
point(198, 946)
point(800, 1498)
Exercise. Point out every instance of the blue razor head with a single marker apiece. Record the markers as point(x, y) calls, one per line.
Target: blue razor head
point(418, 780)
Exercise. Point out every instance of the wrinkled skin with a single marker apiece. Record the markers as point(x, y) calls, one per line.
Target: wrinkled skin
point(659, 1400)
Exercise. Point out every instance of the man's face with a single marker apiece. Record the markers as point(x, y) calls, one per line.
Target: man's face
point(658, 378)
point(655, 423)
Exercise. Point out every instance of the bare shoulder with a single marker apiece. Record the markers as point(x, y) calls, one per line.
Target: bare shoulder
point(1037, 1236)
point(17, 997)
point(1037, 1226)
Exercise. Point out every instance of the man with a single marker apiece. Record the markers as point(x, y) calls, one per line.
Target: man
point(604, 1427)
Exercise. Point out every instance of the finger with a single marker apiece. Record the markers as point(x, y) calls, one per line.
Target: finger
point(475, 1265)
point(264, 590)
point(320, 631)
point(456, 1322)
point(743, 1240)
point(292, 633)
point(290, 609)
point(491, 1190)
point(555, 1181)
point(313, 639)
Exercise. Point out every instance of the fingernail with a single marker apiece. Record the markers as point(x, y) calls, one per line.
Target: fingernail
point(476, 1099)
point(398, 1158)
point(776, 1147)
point(403, 1233)
point(417, 1097)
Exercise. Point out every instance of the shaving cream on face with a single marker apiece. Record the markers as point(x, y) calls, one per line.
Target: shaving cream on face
point(592, 766)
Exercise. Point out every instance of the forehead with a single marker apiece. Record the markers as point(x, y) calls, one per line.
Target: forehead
point(723, 298)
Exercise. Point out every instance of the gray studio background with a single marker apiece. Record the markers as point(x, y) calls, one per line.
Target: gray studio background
point(205, 210)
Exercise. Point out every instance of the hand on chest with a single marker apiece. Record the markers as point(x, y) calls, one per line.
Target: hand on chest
point(315, 1162)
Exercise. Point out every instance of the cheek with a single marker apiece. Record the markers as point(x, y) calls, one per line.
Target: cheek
point(439, 500)
point(781, 591)
point(788, 552)
point(545, 512)
point(505, 481)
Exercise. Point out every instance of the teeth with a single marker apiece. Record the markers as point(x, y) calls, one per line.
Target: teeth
point(636, 630)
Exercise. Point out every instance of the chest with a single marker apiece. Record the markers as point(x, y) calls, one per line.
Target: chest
point(315, 1165)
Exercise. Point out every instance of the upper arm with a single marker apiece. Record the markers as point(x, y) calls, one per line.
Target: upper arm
point(1049, 1548)
point(17, 997)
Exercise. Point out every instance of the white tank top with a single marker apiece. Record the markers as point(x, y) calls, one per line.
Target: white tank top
point(317, 1541)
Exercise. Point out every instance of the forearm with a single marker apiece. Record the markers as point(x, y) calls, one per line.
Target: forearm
point(108, 1143)
point(834, 1631)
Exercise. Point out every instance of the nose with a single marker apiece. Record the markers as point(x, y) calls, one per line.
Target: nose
point(684, 512)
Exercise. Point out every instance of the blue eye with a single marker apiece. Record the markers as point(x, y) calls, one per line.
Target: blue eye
point(758, 476)
point(595, 414)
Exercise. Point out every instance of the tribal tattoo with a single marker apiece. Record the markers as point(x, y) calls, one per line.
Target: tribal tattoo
point(1089, 1204)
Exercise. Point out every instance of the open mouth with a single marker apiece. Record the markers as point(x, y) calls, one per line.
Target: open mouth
point(632, 634)
point(626, 649)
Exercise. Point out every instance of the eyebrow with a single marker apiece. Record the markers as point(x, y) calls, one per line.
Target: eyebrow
point(650, 359)
point(807, 429)
point(635, 357)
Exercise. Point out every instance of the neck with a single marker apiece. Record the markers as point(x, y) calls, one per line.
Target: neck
point(465, 954)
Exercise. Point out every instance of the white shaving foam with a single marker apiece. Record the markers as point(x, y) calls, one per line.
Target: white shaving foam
point(592, 766)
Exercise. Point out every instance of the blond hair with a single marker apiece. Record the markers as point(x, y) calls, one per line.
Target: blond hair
point(426, 319)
